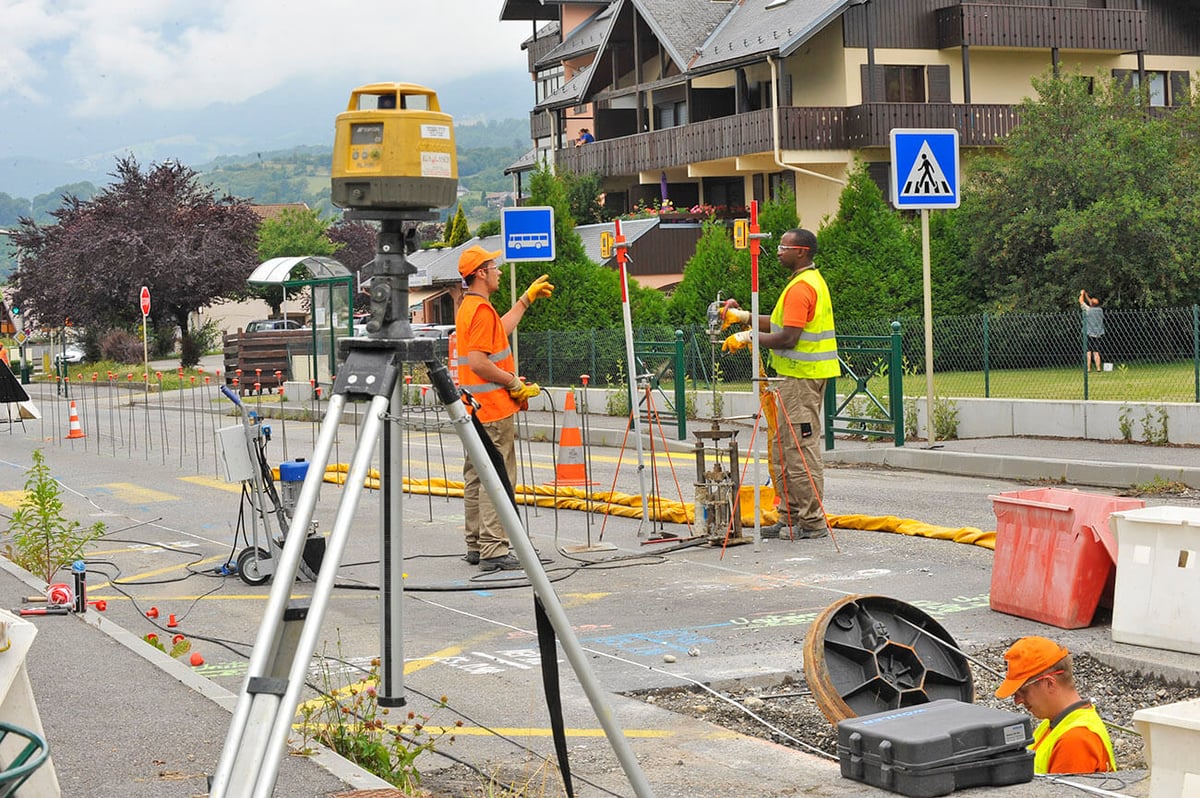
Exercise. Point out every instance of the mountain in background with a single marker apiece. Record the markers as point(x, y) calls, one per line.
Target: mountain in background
point(276, 120)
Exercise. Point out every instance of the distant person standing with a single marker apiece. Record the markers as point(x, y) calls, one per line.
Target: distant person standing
point(1093, 325)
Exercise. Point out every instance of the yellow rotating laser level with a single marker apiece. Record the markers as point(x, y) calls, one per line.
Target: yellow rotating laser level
point(393, 149)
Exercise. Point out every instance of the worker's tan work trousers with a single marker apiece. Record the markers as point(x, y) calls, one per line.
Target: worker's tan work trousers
point(484, 531)
point(802, 467)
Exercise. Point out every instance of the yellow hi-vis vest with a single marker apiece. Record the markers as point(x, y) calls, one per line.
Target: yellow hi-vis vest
point(815, 355)
point(1045, 742)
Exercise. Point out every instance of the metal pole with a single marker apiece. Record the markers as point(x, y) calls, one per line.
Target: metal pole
point(928, 301)
point(391, 559)
point(631, 360)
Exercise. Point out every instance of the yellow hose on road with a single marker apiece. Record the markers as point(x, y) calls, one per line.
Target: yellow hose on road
point(629, 506)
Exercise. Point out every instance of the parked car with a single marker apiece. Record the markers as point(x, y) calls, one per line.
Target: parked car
point(269, 325)
point(73, 353)
point(441, 335)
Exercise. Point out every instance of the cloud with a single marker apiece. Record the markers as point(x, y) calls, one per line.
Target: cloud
point(109, 57)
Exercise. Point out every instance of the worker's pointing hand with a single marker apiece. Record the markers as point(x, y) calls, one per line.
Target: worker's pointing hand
point(541, 287)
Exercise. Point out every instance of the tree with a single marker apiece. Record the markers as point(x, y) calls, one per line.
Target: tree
point(158, 228)
point(869, 258)
point(294, 232)
point(457, 230)
point(356, 242)
point(1094, 190)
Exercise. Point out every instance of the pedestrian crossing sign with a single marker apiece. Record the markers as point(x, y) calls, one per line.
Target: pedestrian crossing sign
point(924, 168)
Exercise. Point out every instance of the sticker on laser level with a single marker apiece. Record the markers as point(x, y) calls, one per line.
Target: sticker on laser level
point(435, 164)
point(435, 132)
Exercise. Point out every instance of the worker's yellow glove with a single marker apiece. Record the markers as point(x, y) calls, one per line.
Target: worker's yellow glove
point(736, 342)
point(527, 391)
point(731, 315)
point(541, 287)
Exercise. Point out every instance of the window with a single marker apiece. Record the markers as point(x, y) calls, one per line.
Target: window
point(548, 81)
point(904, 84)
point(1164, 89)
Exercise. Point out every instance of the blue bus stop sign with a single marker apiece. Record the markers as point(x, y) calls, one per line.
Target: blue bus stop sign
point(924, 168)
point(528, 233)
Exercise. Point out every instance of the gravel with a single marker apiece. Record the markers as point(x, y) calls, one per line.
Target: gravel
point(789, 707)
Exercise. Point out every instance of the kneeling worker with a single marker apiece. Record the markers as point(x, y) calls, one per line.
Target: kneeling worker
point(1071, 737)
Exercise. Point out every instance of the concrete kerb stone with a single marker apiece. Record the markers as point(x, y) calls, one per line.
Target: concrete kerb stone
point(331, 762)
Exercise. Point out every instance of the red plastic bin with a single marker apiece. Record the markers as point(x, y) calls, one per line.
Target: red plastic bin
point(1055, 556)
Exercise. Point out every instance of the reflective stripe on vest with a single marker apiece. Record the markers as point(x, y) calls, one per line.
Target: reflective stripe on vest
point(483, 387)
point(1087, 717)
point(815, 354)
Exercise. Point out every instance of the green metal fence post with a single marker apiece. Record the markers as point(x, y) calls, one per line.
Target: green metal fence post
point(680, 393)
point(1196, 349)
point(896, 386)
point(1086, 362)
point(592, 352)
point(549, 358)
point(987, 375)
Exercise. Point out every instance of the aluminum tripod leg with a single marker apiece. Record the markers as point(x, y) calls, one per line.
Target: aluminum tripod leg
point(518, 538)
point(254, 747)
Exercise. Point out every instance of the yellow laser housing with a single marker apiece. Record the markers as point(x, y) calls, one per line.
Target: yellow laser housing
point(393, 149)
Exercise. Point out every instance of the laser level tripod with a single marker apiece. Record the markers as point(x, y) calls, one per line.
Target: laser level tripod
point(266, 707)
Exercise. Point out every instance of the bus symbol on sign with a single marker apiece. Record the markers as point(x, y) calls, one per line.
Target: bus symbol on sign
point(527, 233)
point(532, 240)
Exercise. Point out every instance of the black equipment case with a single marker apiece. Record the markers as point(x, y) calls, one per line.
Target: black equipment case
point(936, 748)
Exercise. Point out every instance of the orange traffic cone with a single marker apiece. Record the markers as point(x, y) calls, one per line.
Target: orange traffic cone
point(76, 430)
point(571, 469)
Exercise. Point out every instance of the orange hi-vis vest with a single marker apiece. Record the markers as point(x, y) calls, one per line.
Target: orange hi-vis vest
point(477, 327)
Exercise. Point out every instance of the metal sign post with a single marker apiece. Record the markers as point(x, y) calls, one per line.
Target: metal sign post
point(925, 173)
point(144, 298)
point(627, 315)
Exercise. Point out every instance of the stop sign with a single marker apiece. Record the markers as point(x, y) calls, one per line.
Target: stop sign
point(145, 297)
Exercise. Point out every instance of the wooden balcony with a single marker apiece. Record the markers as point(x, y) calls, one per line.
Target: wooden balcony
point(808, 128)
point(996, 25)
point(539, 125)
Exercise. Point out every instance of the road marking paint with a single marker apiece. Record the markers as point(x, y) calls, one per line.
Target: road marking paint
point(156, 572)
point(213, 482)
point(136, 494)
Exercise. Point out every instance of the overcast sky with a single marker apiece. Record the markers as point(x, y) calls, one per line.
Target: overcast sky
point(85, 77)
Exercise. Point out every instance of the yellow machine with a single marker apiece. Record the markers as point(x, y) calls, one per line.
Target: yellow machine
point(393, 149)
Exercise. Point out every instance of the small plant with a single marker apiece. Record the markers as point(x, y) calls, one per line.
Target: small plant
point(616, 399)
point(945, 418)
point(349, 720)
point(1159, 486)
point(180, 645)
point(1154, 430)
point(911, 415)
point(1125, 422)
point(43, 540)
point(690, 402)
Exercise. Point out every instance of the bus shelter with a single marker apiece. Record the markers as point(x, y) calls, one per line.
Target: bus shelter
point(332, 305)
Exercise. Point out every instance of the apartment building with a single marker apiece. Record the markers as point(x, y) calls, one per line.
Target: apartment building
point(716, 102)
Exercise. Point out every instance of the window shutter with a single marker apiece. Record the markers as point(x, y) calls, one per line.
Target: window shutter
point(881, 173)
point(880, 89)
point(1124, 78)
point(938, 76)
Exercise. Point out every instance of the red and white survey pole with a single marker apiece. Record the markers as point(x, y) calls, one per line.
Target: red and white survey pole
point(144, 298)
point(622, 250)
point(757, 378)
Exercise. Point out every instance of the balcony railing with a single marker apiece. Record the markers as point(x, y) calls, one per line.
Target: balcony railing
point(807, 128)
point(996, 25)
point(539, 125)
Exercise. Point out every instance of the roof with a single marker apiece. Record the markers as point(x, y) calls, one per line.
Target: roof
point(586, 38)
point(549, 29)
point(265, 212)
point(570, 92)
point(683, 25)
point(632, 229)
point(755, 29)
point(526, 163)
point(279, 270)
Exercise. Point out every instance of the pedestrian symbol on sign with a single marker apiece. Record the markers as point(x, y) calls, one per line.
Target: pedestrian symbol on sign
point(926, 177)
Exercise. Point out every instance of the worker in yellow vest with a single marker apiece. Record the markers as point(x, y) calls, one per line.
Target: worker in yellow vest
point(1071, 737)
point(800, 335)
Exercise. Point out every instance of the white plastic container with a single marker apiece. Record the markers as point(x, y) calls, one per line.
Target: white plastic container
point(1172, 735)
point(1156, 600)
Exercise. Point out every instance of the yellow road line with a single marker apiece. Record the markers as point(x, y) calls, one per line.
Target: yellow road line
point(213, 482)
point(136, 494)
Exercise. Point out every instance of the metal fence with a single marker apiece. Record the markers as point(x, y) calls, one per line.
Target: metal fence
point(1148, 356)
